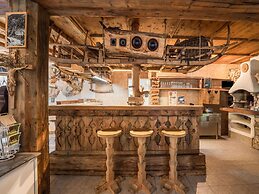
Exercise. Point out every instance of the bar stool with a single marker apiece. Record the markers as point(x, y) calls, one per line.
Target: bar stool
point(172, 183)
point(141, 184)
point(110, 183)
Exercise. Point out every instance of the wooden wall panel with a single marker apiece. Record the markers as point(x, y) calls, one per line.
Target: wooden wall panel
point(76, 137)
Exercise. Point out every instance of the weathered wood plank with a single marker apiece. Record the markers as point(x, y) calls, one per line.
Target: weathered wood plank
point(76, 136)
point(31, 103)
point(87, 163)
point(197, 14)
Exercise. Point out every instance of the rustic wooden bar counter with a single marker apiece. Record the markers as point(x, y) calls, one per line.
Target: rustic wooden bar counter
point(80, 151)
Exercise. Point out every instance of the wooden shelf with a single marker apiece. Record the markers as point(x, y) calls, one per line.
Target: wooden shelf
point(179, 88)
point(241, 102)
point(241, 130)
point(242, 122)
point(179, 77)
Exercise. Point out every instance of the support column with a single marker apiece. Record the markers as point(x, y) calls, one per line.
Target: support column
point(31, 96)
point(136, 80)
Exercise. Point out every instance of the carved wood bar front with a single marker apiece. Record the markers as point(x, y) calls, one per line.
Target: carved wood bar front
point(80, 151)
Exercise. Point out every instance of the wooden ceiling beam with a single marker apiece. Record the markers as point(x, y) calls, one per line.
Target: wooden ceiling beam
point(176, 30)
point(82, 29)
point(65, 36)
point(235, 54)
point(54, 27)
point(238, 44)
point(238, 59)
point(2, 36)
point(255, 53)
point(2, 26)
point(211, 14)
point(220, 29)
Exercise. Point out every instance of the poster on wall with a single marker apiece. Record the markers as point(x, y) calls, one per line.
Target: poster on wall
point(172, 98)
point(16, 29)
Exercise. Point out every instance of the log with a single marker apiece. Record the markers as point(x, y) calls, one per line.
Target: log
point(31, 104)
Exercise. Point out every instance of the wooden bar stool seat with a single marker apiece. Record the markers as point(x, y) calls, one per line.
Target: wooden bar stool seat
point(141, 133)
point(108, 133)
point(172, 182)
point(141, 184)
point(111, 184)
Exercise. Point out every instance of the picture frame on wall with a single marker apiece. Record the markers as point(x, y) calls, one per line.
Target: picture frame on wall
point(16, 30)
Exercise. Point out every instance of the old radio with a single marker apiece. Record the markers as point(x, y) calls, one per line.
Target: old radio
point(119, 43)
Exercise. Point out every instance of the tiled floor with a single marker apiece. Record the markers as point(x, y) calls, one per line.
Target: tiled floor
point(232, 168)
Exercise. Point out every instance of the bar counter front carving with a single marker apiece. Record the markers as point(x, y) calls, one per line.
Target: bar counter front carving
point(80, 151)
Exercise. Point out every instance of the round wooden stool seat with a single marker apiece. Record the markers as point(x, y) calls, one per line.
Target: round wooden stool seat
point(176, 134)
point(141, 133)
point(108, 133)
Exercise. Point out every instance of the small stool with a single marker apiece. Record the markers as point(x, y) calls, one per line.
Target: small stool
point(141, 184)
point(110, 183)
point(172, 183)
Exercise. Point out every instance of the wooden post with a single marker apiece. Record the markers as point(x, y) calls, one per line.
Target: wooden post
point(135, 68)
point(136, 80)
point(31, 103)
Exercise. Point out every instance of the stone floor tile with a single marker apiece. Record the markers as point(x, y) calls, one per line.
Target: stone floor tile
point(239, 189)
point(231, 168)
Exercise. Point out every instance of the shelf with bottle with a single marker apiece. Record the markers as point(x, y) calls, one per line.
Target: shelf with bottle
point(154, 91)
point(180, 89)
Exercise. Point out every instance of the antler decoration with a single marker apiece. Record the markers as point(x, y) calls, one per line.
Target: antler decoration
point(74, 81)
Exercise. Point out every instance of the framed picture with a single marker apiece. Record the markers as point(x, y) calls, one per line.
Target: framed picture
point(16, 29)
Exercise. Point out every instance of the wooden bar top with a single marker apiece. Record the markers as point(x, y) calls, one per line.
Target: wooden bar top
point(240, 110)
point(151, 107)
point(154, 110)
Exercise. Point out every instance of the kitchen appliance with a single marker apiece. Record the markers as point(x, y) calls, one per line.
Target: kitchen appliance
point(210, 124)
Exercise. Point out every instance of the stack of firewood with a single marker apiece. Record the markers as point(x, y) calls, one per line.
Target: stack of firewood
point(154, 92)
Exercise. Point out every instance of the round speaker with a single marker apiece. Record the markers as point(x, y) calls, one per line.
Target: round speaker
point(152, 44)
point(123, 42)
point(136, 42)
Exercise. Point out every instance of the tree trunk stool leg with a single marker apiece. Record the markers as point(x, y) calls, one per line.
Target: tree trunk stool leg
point(111, 184)
point(141, 184)
point(172, 183)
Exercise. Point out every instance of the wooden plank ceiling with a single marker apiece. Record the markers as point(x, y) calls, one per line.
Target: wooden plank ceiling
point(223, 10)
point(245, 35)
point(77, 22)
point(176, 18)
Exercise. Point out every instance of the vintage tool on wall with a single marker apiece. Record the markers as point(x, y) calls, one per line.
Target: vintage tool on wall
point(71, 77)
point(74, 77)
